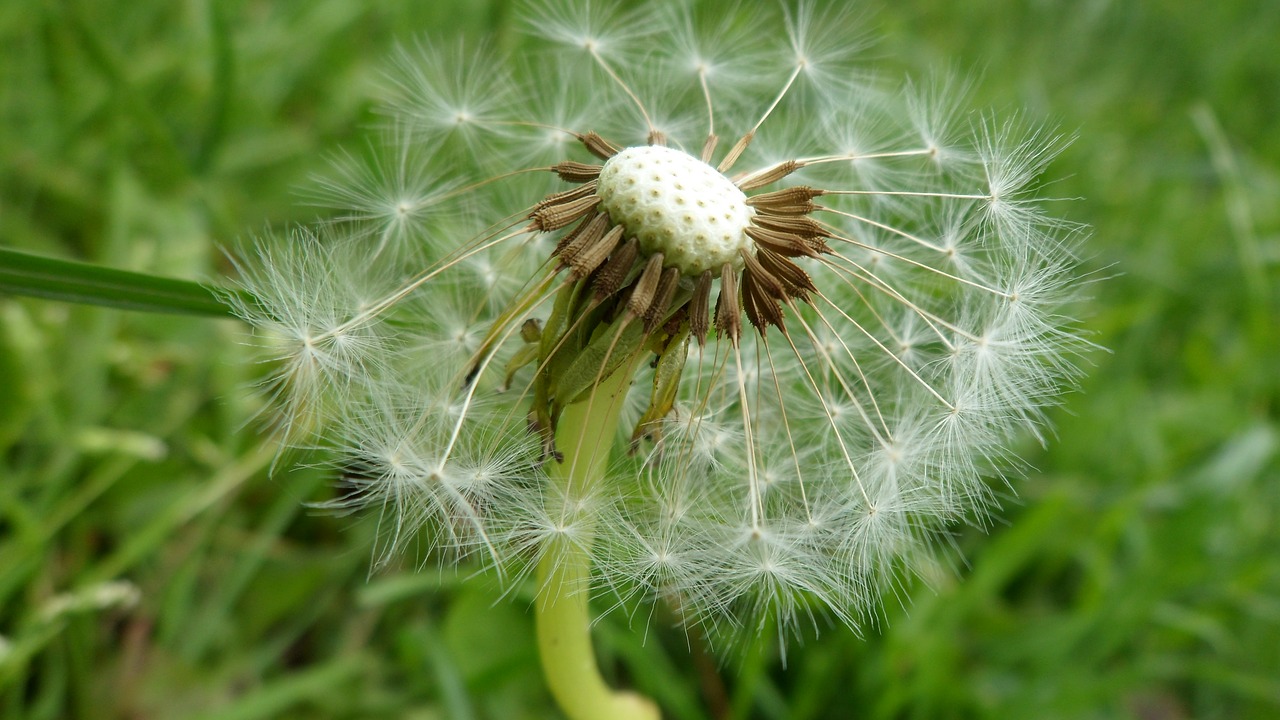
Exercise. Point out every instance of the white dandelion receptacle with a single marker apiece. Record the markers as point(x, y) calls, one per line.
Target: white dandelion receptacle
point(677, 205)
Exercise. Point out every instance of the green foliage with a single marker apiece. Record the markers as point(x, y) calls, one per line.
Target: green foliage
point(69, 281)
point(152, 565)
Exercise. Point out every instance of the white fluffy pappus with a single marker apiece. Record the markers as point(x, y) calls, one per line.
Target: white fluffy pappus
point(812, 405)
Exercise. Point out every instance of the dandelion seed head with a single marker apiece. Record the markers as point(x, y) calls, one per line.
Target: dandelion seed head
point(835, 304)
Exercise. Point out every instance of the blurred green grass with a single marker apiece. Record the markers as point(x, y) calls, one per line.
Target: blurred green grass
point(151, 566)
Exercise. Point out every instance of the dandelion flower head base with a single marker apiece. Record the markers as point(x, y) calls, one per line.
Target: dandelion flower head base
point(676, 205)
point(674, 225)
point(656, 228)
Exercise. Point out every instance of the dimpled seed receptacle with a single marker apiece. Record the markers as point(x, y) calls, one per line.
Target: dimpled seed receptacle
point(677, 205)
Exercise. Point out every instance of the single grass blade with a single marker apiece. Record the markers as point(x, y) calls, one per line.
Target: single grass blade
point(70, 281)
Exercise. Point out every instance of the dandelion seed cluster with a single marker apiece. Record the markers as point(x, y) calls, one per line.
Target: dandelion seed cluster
point(847, 295)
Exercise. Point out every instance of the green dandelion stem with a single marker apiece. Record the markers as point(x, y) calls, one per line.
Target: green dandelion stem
point(586, 436)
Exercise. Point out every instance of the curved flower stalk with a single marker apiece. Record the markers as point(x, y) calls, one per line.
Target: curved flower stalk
point(683, 309)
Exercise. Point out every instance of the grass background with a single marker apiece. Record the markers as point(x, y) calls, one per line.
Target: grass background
point(152, 567)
